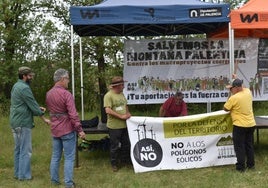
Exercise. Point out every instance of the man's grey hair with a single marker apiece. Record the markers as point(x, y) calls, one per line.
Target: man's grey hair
point(60, 73)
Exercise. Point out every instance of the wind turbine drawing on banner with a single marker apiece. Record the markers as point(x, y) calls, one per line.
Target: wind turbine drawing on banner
point(144, 129)
point(152, 133)
point(142, 133)
point(138, 132)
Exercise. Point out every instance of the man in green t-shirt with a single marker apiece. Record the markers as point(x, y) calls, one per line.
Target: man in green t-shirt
point(115, 105)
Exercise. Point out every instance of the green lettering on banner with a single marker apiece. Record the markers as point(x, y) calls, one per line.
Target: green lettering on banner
point(212, 125)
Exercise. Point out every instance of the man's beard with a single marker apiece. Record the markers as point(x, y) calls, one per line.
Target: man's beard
point(28, 81)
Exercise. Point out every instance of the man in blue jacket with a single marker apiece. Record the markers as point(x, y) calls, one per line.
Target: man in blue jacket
point(23, 108)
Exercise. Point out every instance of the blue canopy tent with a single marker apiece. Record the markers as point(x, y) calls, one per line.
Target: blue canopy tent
point(145, 18)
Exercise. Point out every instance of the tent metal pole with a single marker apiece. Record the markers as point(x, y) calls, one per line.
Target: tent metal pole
point(81, 78)
point(72, 61)
point(208, 106)
point(233, 58)
point(72, 58)
point(231, 50)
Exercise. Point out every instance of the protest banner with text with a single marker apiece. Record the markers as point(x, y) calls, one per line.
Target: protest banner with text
point(194, 141)
point(156, 69)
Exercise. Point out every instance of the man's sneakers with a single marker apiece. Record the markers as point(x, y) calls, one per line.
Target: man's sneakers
point(25, 179)
point(71, 186)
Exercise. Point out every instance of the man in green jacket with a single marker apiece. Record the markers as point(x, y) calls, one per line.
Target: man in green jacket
point(23, 108)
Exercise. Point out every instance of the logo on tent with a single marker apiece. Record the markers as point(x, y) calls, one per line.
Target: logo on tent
point(249, 18)
point(89, 14)
point(150, 11)
point(206, 12)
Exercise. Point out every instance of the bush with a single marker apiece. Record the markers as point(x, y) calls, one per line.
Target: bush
point(4, 106)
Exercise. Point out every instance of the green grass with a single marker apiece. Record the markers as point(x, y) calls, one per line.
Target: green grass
point(95, 170)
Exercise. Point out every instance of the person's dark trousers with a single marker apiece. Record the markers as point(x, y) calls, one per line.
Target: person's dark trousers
point(243, 145)
point(119, 146)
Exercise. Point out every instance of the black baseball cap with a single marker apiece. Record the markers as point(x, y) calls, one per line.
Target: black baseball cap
point(235, 83)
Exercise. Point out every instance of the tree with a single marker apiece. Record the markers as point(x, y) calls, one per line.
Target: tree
point(102, 53)
point(27, 39)
point(15, 28)
point(36, 33)
point(233, 4)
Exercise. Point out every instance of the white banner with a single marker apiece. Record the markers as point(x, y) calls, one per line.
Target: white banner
point(194, 141)
point(156, 69)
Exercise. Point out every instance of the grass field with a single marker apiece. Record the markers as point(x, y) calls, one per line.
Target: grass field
point(95, 170)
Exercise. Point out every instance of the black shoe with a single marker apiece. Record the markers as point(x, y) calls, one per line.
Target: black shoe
point(55, 184)
point(115, 168)
point(240, 170)
point(251, 168)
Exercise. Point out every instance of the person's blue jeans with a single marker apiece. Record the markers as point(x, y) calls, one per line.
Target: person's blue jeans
point(22, 153)
point(67, 145)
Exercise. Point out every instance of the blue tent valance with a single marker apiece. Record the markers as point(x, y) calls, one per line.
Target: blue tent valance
point(148, 17)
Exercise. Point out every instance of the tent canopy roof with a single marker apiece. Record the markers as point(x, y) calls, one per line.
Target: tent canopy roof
point(253, 15)
point(239, 33)
point(148, 17)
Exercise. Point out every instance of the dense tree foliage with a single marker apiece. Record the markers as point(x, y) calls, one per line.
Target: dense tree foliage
point(37, 34)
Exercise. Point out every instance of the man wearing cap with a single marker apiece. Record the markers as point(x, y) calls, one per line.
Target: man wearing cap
point(23, 108)
point(240, 106)
point(174, 106)
point(115, 105)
